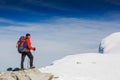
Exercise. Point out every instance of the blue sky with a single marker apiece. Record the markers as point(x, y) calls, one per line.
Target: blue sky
point(39, 10)
point(58, 27)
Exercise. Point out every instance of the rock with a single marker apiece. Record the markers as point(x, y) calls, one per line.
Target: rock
point(29, 74)
point(9, 69)
point(6, 76)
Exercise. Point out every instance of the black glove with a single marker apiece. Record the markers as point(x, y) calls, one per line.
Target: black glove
point(34, 49)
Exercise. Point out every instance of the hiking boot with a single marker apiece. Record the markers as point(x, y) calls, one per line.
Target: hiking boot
point(32, 67)
point(22, 69)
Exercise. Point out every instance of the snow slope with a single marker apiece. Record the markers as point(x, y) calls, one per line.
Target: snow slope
point(111, 44)
point(89, 66)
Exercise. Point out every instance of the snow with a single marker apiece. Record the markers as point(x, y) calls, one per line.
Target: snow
point(90, 66)
point(111, 44)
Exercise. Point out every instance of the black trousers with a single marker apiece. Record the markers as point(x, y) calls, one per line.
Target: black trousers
point(29, 55)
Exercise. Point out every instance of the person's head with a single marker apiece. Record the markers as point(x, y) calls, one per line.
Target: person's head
point(27, 35)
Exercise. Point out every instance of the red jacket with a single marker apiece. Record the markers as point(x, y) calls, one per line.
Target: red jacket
point(28, 43)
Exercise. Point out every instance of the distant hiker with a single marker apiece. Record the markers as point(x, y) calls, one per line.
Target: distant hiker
point(24, 47)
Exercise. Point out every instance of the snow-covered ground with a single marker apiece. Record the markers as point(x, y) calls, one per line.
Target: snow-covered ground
point(90, 66)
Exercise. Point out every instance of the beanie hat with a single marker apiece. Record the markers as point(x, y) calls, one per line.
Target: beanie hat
point(27, 34)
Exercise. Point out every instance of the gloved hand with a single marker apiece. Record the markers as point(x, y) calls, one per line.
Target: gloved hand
point(34, 49)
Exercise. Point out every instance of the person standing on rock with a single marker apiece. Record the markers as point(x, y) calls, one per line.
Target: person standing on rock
point(27, 52)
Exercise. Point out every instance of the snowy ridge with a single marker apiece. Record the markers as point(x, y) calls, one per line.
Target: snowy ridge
point(111, 44)
point(90, 66)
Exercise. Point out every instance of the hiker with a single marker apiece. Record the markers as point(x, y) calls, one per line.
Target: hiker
point(27, 52)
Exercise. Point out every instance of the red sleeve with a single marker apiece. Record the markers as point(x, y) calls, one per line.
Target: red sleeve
point(29, 44)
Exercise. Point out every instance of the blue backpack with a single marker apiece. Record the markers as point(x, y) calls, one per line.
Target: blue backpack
point(21, 44)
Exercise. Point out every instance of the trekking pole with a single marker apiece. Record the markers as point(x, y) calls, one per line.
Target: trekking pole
point(33, 53)
point(34, 56)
